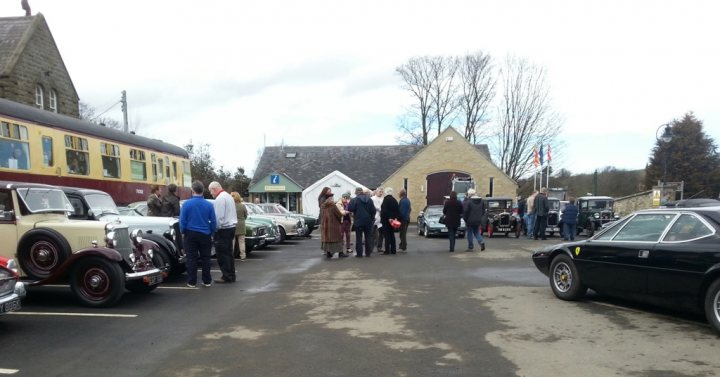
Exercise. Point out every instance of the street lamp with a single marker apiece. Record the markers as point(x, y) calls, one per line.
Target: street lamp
point(666, 137)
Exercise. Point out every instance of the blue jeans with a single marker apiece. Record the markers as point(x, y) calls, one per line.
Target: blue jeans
point(529, 224)
point(474, 232)
point(197, 246)
point(569, 231)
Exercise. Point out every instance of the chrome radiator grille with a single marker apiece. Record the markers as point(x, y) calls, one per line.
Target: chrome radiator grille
point(122, 242)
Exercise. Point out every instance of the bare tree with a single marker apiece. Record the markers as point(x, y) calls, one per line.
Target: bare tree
point(416, 76)
point(443, 88)
point(525, 118)
point(412, 134)
point(476, 92)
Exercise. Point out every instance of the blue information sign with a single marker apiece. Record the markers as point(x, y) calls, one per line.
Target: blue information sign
point(274, 179)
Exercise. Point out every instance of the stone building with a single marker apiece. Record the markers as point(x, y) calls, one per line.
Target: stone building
point(424, 171)
point(32, 70)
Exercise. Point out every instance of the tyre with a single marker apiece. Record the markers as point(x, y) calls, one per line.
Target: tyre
point(712, 305)
point(283, 235)
point(565, 280)
point(41, 252)
point(420, 232)
point(591, 229)
point(427, 231)
point(166, 257)
point(97, 281)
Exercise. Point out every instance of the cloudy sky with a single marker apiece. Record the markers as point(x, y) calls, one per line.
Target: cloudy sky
point(239, 75)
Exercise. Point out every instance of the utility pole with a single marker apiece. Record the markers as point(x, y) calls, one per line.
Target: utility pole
point(123, 100)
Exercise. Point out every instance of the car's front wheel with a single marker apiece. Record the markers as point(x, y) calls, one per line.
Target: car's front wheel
point(420, 232)
point(427, 231)
point(96, 281)
point(565, 280)
point(712, 305)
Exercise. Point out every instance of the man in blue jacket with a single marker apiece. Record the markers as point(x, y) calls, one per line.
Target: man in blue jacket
point(363, 211)
point(197, 223)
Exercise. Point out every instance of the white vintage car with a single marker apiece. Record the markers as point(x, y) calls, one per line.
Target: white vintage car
point(98, 259)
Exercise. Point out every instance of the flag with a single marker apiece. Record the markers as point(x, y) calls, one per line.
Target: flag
point(536, 160)
point(542, 156)
point(549, 155)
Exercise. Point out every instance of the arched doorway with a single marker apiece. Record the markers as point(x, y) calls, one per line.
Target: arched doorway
point(438, 186)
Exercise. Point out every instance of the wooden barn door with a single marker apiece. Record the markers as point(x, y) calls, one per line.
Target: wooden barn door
point(438, 186)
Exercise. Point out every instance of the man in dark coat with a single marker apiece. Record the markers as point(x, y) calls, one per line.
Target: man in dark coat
point(452, 210)
point(569, 220)
point(363, 211)
point(542, 208)
point(475, 218)
point(170, 202)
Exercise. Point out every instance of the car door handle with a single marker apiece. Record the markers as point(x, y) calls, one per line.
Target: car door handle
point(643, 253)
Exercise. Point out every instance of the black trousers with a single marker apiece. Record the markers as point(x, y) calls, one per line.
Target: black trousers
point(223, 252)
point(540, 225)
point(390, 245)
point(360, 233)
point(197, 246)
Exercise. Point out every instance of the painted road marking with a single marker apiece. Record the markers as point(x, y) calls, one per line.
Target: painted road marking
point(75, 314)
point(8, 371)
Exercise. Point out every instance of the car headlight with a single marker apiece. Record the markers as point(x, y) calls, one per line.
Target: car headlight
point(596, 215)
point(7, 282)
point(110, 239)
point(136, 235)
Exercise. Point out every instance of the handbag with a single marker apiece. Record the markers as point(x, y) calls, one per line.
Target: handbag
point(441, 220)
point(395, 224)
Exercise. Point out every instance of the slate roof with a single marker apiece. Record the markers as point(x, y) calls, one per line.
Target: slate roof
point(12, 30)
point(368, 164)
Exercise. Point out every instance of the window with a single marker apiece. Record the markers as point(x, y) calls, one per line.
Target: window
point(160, 169)
point(14, 147)
point(77, 155)
point(138, 166)
point(47, 147)
point(687, 227)
point(174, 175)
point(110, 154)
point(167, 169)
point(153, 162)
point(187, 178)
point(53, 100)
point(39, 94)
point(644, 227)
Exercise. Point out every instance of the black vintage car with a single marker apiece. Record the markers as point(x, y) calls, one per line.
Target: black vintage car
point(666, 257)
point(501, 218)
point(594, 212)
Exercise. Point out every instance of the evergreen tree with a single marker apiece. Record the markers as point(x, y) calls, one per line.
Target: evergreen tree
point(692, 157)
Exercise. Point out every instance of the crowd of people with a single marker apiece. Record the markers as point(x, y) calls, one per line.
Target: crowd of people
point(374, 217)
point(534, 212)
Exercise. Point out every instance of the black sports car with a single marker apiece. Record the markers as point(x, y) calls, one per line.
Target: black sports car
point(668, 257)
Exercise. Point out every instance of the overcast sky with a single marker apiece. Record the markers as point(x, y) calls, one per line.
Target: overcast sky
point(238, 75)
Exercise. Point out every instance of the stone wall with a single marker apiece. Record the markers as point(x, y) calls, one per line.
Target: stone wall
point(41, 63)
point(441, 155)
point(631, 203)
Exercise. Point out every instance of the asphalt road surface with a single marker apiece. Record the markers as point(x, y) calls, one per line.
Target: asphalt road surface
point(293, 313)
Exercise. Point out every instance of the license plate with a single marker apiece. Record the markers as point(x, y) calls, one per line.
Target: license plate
point(555, 229)
point(10, 306)
point(503, 229)
point(155, 279)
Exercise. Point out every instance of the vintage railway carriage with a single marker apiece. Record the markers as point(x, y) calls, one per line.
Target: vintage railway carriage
point(44, 147)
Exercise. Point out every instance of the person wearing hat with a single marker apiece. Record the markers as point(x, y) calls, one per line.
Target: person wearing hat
point(330, 238)
point(363, 211)
point(346, 222)
point(475, 217)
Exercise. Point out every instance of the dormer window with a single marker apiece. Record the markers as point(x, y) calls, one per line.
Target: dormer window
point(39, 95)
point(53, 101)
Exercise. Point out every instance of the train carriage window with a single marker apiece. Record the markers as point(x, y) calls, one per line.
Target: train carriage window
point(77, 155)
point(138, 166)
point(153, 162)
point(174, 171)
point(14, 148)
point(167, 169)
point(110, 160)
point(187, 177)
point(47, 147)
point(160, 169)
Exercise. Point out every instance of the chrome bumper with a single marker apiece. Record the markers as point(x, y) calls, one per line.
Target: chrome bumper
point(140, 275)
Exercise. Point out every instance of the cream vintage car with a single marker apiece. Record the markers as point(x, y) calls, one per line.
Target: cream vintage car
point(98, 259)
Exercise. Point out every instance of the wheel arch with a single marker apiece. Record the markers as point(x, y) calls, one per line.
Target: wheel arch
point(710, 276)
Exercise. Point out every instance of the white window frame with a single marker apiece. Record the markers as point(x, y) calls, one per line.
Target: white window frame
point(53, 101)
point(39, 96)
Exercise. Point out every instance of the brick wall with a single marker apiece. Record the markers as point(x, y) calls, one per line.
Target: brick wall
point(455, 155)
